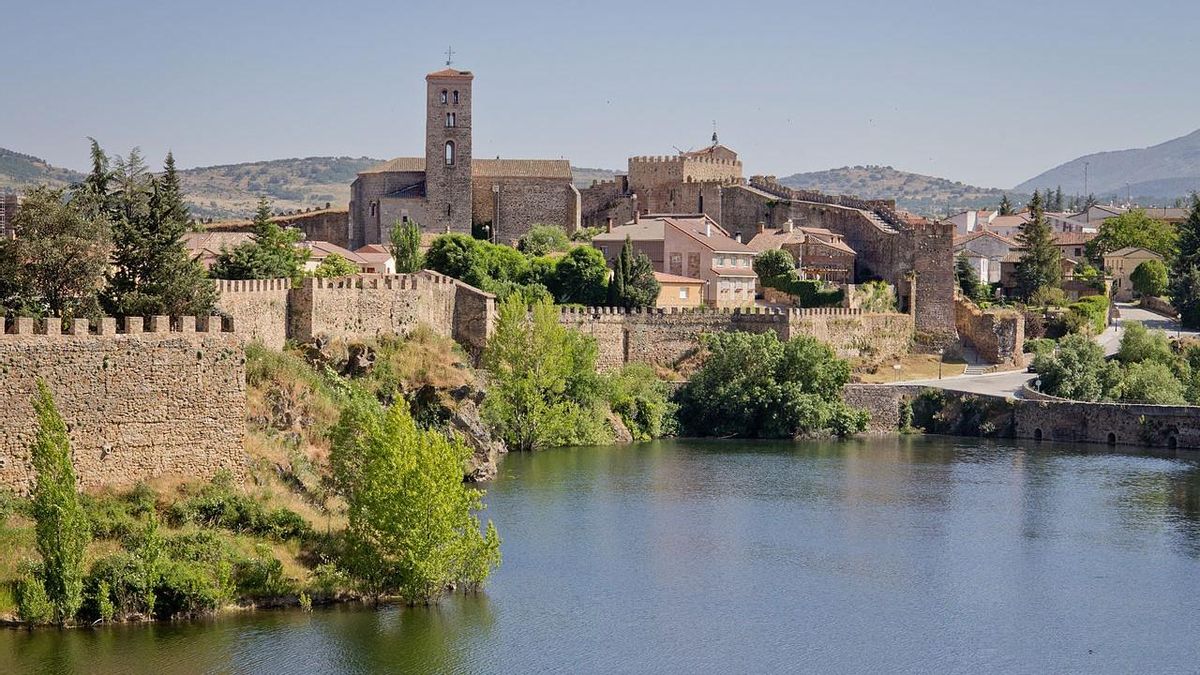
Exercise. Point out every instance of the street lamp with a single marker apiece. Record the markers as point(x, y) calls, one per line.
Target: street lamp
point(941, 351)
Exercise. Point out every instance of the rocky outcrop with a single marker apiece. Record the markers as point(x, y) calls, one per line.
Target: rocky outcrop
point(486, 451)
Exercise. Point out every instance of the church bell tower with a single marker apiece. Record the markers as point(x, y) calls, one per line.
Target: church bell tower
point(448, 150)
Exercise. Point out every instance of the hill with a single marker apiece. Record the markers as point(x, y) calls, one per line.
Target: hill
point(924, 195)
point(19, 171)
point(1162, 172)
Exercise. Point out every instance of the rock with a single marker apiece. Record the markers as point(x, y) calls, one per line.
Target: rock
point(621, 433)
point(466, 422)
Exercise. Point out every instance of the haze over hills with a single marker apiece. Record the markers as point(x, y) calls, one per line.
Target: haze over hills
point(1161, 172)
point(925, 195)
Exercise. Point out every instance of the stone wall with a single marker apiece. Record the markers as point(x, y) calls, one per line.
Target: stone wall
point(143, 403)
point(518, 204)
point(997, 335)
point(665, 337)
point(259, 308)
point(1158, 306)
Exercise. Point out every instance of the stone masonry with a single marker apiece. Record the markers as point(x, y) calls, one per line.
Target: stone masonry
point(161, 397)
point(666, 337)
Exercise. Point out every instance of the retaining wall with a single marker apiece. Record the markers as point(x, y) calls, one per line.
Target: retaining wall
point(997, 335)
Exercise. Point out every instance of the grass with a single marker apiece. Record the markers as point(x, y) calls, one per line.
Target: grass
point(912, 367)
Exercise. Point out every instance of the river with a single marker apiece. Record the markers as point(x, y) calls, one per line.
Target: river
point(885, 555)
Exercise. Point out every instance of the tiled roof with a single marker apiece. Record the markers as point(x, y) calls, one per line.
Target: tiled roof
point(653, 227)
point(488, 168)
point(1127, 251)
point(450, 73)
point(319, 250)
point(1073, 238)
point(675, 279)
point(968, 238)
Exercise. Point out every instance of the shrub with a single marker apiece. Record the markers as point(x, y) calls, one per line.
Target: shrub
point(1140, 344)
point(808, 292)
point(1078, 370)
point(1149, 278)
point(1039, 346)
point(262, 577)
point(641, 400)
point(542, 239)
point(188, 589)
point(120, 585)
point(218, 505)
point(335, 265)
point(774, 262)
point(33, 604)
point(1152, 382)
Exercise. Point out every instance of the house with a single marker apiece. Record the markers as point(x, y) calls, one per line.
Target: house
point(1008, 270)
point(1073, 244)
point(688, 245)
point(376, 259)
point(1120, 264)
point(985, 249)
point(677, 291)
point(1009, 226)
point(973, 220)
point(819, 253)
point(206, 246)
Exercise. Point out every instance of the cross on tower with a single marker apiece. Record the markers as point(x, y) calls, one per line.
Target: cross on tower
point(449, 56)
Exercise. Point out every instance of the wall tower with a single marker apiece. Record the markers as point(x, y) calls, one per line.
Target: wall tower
point(448, 150)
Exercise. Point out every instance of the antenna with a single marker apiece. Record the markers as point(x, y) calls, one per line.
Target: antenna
point(449, 56)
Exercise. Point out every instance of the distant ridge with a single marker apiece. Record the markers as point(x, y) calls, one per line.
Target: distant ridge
point(1161, 172)
point(924, 195)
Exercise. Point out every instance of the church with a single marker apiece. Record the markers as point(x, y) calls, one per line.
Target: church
point(449, 190)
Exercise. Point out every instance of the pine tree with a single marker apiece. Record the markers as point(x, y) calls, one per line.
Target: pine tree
point(1005, 206)
point(1185, 268)
point(633, 283)
point(271, 253)
point(1058, 199)
point(1040, 266)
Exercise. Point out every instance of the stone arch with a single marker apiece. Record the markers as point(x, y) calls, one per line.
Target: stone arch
point(1172, 442)
point(1112, 438)
point(1037, 434)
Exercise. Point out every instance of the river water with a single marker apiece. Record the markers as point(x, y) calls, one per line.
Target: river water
point(894, 555)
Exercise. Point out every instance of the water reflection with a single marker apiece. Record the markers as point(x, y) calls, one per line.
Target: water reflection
point(900, 554)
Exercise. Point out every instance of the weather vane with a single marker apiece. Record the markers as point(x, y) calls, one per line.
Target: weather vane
point(449, 55)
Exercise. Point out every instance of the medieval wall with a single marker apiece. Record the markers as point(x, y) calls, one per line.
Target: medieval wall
point(258, 307)
point(368, 187)
point(666, 337)
point(523, 203)
point(140, 404)
point(997, 335)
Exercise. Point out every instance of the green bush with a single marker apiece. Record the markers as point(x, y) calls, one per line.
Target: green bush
point(1152, 382)
point(261, 577)
point(188, 589)
point(808, 292)
point(1038, 346)
point(1088, 314)
point(1140, 344)
point(33, 604)
point(542, 239)
point(218, 505)
point(774, 262)
point(1078, 370)
point(123, 583)
point(642, 401)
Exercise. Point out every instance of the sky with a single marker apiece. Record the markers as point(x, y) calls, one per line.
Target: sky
point(988, 93)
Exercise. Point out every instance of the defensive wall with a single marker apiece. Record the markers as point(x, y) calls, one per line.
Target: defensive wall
point(998, 336)
point(514, 205)
point(1039, 417)
point(358, 307)
point(328, 224)
point(141, 397)
point(668, 336)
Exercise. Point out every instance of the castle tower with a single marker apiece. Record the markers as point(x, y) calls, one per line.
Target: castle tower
point(448, 150)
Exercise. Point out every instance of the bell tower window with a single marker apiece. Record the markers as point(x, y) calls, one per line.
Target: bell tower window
point(455, 97)
point(449, 153)
point(443, 97)
point(450, 120)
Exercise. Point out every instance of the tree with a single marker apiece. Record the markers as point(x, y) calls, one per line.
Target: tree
point(767, 388)
point(411, 529)
point(61, 525)
point(633, 283)
point(55, 265)
point(542, 239)
point(152, 270)
point(1152, 382)
point(335, 265)
point(543, 387)
point(406, 247)
point(1005, 208)
point(774, 262)
point(1040, 266)
point(1149, 278)
point(1140, 344)
point(1185, 268)
point(967, 277)
point(1078, 370)
point(272, 252)
point(1058, 200)
point(580, 277)
point(1133, 228)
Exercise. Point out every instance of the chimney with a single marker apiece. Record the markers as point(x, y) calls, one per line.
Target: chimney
point(738, 237)
point(762, 227)
point(788, 225)
point(707, 228)
point(608, 224)
point(636, 210)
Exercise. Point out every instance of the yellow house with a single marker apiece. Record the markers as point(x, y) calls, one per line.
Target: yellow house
point(677, 291)
point(1121, 263)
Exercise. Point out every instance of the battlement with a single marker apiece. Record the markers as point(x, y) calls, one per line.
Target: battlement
point(252, 285)
point(55, 327)
point(680, 159)
point(781, 312)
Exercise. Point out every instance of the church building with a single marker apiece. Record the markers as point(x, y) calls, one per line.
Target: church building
point(449, 190)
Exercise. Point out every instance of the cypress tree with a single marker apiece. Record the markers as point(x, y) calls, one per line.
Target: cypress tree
point(1040, 267)
point(1005, 206)
point(1185, 268)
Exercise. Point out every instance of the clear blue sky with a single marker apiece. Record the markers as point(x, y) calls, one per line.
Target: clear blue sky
point(989, 93)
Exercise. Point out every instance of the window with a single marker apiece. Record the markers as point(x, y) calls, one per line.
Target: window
point(449, 153)
point(449, 120)
point(455, 97)
point(443, 97)
point(683, 293)
point(447, 210)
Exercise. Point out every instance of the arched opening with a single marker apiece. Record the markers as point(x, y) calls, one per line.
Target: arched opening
point(444, 94)
point(1037, 435)
point(455, 97)
point(1112, 438)
point(700, 204)
point(447, 210)
point(450, 120)
point(449, 153)
point(1172, 442)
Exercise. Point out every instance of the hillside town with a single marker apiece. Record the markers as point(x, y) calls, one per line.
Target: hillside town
point(302, 406)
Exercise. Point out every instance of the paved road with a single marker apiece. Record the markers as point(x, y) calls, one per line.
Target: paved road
point(1010, 383)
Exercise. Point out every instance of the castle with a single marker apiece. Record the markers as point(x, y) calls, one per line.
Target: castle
point(912, 254)
point(449, 190)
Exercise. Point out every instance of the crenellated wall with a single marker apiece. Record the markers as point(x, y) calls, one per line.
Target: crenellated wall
point(259, 308)
point(665, 337)
point(142, 398)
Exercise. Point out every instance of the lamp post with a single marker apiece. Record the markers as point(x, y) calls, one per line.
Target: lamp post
point(896, 368)
point(941, 360)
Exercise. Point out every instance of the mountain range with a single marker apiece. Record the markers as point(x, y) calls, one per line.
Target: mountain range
point(1154, 175)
